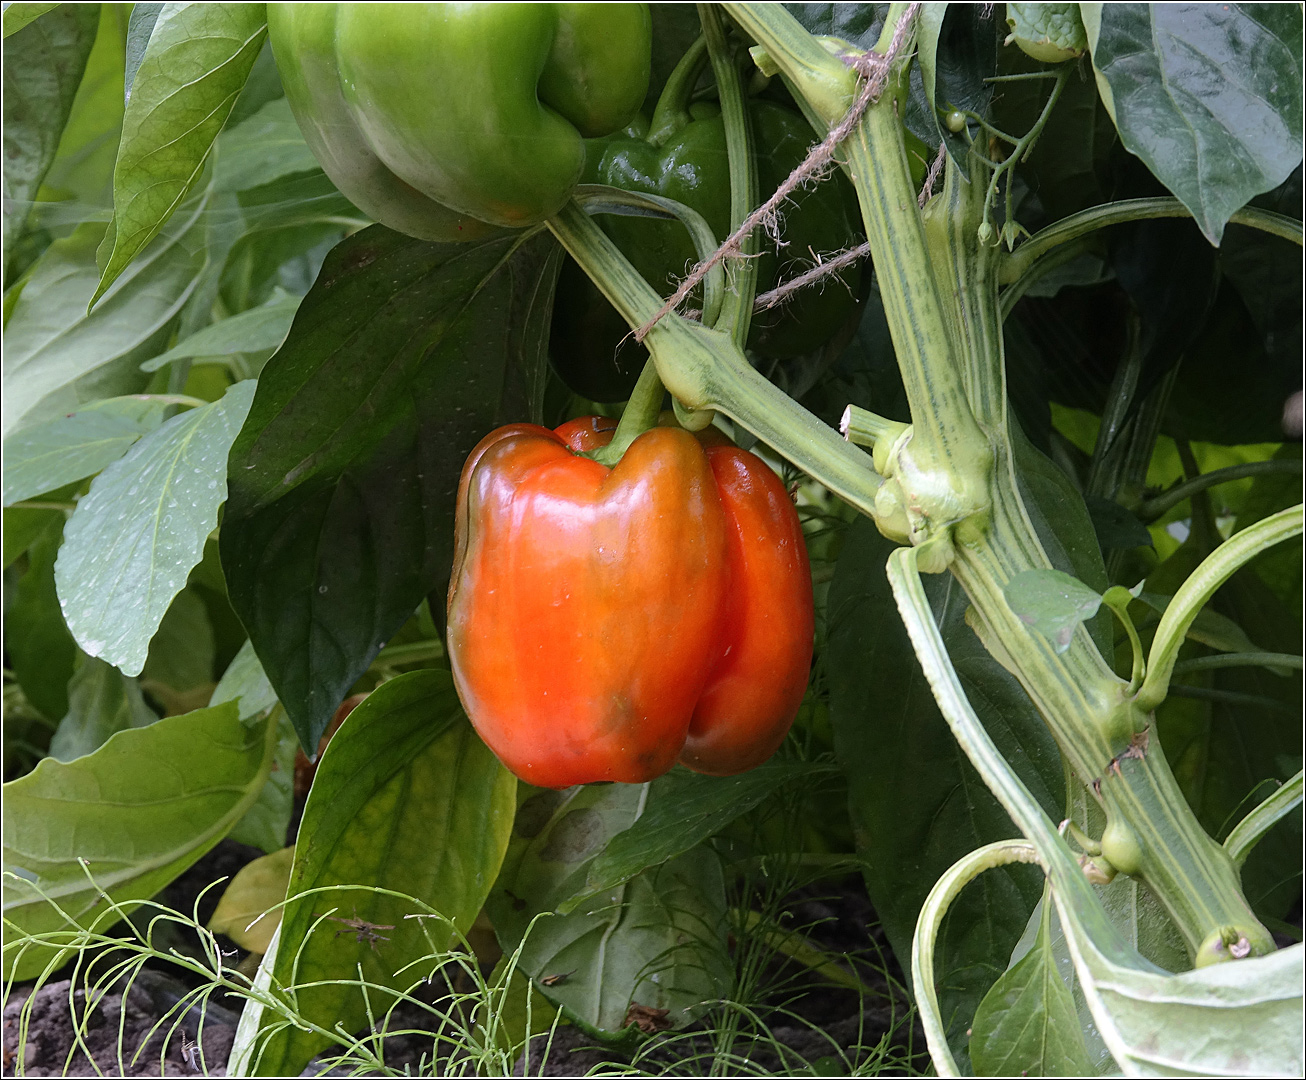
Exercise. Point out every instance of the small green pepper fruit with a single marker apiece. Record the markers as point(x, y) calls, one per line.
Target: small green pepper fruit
point(681, 155)
point(447, 121)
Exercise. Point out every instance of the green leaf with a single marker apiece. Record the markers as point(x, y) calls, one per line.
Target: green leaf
point(195, 65)
point(263, 148)
point(244, 683)
point(1027, 1024)
point(102, 701)
point(19, 15)
point(343, 480)
point(126, 819)
point(23, 526)
point(39, 649)
point(1051, 602)
point(83, 165)
point(57, 356)
point(133, 540)
point(181, 652)
point(1209, 96)
point(959, 51)
point(408, 799)
point(683, 809)
point(266, 823)
point(46, 456)
point(658, 940)
point(260, 328)
point(43, 66)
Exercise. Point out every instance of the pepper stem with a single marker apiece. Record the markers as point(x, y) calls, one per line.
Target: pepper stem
point(641, 413)
point(672, 110)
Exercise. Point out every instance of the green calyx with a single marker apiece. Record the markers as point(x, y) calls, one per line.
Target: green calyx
point(448, 121)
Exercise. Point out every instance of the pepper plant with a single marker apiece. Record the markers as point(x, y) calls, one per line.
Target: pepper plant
point(1049, 474)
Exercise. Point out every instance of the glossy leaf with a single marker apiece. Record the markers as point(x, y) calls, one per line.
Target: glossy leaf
point(134, 539)
point(38, 647)
point(1027, 1024)
point(193, 68)
point(263, 148)
point(406, 798)
point(260, 328)
point(23, 526)
point(682, 810)
point(1052, 603)
point(342, 482)
point(657, 941)
point(57, 356)
point(1208, 95)
point(46, 456)
point(102, 701)
point(126, 819)
point(140, 26)
point(43, 64)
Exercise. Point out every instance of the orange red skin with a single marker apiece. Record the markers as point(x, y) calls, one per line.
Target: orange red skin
point(605, 622)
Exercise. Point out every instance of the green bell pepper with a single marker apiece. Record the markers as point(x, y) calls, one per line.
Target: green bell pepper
point(447, 121)
point(681, 155)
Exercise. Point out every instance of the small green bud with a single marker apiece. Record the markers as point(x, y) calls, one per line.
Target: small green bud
point(955, 121)
point(985, 232)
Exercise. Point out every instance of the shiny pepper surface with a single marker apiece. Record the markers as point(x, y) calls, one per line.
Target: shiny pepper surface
point(605, 623)
point(445, 121)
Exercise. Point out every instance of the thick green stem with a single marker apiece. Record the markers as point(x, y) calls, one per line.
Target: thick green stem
point(737, 309)
point(939, 288)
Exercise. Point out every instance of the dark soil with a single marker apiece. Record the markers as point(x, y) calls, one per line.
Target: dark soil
point(811, 1025)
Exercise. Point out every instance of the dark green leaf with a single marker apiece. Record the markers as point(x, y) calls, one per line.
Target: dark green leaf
point(658, 940)
point(343, 480)
point(43, 65)
point(684, 809)
point(46, 456)
point(102, 701)
point(1208, 95)
point(959, 51)
point(1027, 1024)
point(858, 24)
point(39, 649)
point(263, 148)
point(58, 357)
point(1051, 602)
point(126, 819)
point(915, 801)
point(1115, 526)
point(132, 542)
point(181, 652)
point(22, 526)
point(406, 798)
point(195, 64)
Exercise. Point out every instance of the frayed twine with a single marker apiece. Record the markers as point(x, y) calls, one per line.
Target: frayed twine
point(873, 68)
